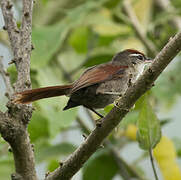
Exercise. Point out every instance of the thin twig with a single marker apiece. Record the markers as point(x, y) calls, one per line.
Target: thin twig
point(5, 76)
point(152, 164)
point(138, 29)
point(107, 124)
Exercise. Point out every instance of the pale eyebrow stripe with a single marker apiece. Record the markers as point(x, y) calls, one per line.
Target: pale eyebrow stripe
point(135, 54)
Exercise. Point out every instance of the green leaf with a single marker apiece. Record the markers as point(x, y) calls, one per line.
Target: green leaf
point(70, 60)
point(34, 82)
point(38, 126)
point(3, 101)
point(57, 118)
point(130, 118)
point(79, 39)
point(168, 86)
point(53, 151)
point(52, 107)
point(108, 108)
point(143, 15)
point(6, 161)
point(98, 59)
point(139, 102)
point(102, 23)
point(6, 168)
point(46, 40)
point(105, 40)
point(13, 73)
point(177, 143)
point(45, 2)
point(149, 132)
point(112, 3)
point(100, 167)
point(53, 164)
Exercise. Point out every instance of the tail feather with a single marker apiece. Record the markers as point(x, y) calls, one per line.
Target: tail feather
point(29, 96)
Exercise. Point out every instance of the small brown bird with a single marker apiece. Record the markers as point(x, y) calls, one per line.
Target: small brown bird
point(98, 86)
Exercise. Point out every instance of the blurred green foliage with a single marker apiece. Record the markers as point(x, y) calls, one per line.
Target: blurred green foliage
point(101, 163)
point(149, 132)
point(71, 36)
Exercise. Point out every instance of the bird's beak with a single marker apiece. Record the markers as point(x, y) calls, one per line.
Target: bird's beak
point(148, 60)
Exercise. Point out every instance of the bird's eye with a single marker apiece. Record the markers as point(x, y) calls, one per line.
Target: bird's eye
point(140, 57)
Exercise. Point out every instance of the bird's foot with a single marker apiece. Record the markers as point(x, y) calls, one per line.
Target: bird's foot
point(116, 104)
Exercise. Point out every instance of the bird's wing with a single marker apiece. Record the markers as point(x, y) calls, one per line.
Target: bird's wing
point(98, 74)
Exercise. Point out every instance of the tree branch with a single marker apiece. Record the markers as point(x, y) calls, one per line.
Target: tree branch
point(107, 124)
point(13, 123)
point(125, 170)
point(138, 29)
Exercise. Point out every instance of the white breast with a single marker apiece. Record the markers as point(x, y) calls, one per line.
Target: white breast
point(137, 70)
point(140, 69)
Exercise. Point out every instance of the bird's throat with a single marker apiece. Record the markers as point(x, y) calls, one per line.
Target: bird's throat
point(137, 70)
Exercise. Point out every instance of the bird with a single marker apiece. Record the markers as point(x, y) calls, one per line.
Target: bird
point(98, 86)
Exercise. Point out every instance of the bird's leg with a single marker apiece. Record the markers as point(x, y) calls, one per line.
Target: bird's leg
point(93, 110)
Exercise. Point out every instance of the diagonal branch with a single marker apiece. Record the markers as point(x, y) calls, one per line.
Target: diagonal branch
point(125, 170)
point(107, 124)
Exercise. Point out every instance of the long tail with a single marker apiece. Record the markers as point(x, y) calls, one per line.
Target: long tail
point(29, 96)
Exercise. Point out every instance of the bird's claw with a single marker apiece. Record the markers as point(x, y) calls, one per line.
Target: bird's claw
point(117, 105)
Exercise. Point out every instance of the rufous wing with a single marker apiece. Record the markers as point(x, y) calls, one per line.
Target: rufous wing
point(98, 74)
